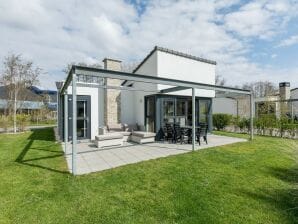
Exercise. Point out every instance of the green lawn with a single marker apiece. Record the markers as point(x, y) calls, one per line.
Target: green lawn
point(250, 182)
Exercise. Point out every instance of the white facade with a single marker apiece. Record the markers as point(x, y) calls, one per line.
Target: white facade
point(158, 63)
point(167, 65)
point(97, 106)
point(148, 68)
point(177, 67)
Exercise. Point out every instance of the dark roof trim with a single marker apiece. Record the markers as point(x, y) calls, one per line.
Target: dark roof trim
point(156, 48)
point(124, 82)
point(294, 89)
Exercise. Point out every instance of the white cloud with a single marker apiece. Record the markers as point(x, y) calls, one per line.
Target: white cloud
point(261, 19)
point(289, 41)
point(53, 32)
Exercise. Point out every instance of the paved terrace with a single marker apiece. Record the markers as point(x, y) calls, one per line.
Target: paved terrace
point(91, 159)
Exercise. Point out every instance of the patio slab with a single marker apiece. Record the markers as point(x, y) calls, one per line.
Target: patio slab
point(91, 159)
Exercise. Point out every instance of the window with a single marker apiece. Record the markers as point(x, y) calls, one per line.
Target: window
point(90, 79)
point(181, 112)
point(203, 111)
point(168, 111)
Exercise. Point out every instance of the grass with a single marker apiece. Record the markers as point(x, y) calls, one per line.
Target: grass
point(250, 182)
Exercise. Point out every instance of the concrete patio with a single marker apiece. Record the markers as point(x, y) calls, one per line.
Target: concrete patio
point(91, 159)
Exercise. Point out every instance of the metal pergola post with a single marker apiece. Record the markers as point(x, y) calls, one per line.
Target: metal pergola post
point(251, 116)
point(193, 118)
point(58, 98)
point(65, 122)
point(292, 111)
point(74, 124)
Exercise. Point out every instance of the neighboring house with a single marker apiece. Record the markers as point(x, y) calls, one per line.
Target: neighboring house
point(276, 104)
point(150, 111)
point(294, 95)
point(29, 100)
point(49, 97)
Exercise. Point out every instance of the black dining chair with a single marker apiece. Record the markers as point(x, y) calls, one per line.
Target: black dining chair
point(179, 134)
point(169, 132)
point(188, 133)
point(202, 132)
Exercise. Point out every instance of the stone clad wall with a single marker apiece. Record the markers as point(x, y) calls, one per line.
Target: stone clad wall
point(112, 97)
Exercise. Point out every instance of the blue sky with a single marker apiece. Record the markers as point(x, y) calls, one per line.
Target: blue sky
point(250, 40)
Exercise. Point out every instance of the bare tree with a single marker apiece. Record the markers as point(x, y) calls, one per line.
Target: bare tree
point(129, 66)
point(68, 66)
point(219, 80)
point(18, 75)
point(261, 88)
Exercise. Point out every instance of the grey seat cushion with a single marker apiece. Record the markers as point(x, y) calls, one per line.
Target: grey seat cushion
point(125, 133)
point(143, 134)
point(131, 127)
point(115, 127)
point(108, 136)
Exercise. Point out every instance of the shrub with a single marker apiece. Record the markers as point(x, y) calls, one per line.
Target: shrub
point(244, 124)
point(4, 122)
point(220, 121)
point(235, 120)
point(287, 125)
point(268, 125)
point(22, 121)
point(265, 122)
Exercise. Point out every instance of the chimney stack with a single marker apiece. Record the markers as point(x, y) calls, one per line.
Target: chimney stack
point(112, 97)
point(112, 64)
point(284, 90)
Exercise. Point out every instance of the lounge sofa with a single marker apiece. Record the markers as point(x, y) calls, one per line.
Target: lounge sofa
point(109, 139)
point(117, 134)
point(142, 137)
point(124, 129)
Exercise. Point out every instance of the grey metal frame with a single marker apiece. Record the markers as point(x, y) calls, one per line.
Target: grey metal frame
point(251, 117)
point(65, 122)
point(104, 73)
point(193, 118)
point(178, 85)
point(74, 124)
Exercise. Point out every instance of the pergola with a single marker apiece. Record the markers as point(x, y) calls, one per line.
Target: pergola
point(75, 70)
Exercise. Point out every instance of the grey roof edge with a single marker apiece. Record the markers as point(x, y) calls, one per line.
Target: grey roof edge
point(294, 89)
point(166, 50)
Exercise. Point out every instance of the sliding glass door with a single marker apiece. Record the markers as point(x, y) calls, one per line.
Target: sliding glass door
point(181, 112)
point(83, 117)
point(168, 111)
point(162, 109)
point(150, 114)
point(204, 109)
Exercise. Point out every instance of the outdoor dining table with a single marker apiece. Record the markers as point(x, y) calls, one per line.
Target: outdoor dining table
point(188, 130)
point(189, 127)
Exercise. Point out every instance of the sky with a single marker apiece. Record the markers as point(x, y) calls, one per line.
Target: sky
point(250, 40)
